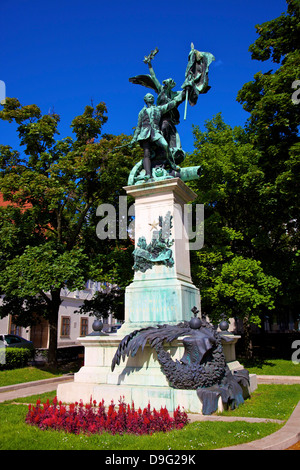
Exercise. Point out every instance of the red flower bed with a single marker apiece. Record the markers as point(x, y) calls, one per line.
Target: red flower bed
point(90, 418)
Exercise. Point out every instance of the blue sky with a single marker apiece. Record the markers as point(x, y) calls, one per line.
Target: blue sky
point(62, 54)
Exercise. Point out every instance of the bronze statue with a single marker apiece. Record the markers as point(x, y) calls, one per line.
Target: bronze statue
point(156, 130)
point(203, 366)
point(159, 249)
point(149, 135)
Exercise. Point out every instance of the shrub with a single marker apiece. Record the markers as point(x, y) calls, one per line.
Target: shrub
point(16, 358)
point(90, 418)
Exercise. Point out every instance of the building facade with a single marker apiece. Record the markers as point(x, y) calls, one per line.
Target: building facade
point(71, 325)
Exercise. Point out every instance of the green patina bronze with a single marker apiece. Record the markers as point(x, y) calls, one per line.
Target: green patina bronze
point(156, 129)
point(159, 249)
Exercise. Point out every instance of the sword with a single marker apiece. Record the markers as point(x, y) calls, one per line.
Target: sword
point(121, 146)
point(148, 58)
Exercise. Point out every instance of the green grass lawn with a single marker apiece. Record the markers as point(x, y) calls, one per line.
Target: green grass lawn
point(16, 435)
point(271, 367)
point(26, 374)
point(256, 366)
point(268, 401)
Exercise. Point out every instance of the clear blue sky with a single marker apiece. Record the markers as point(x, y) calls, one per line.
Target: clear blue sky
point(62, 54)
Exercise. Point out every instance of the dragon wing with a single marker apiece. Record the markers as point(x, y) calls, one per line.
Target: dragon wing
point(131, 343)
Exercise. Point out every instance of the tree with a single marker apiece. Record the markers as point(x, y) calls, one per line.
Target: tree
point(273, 128)
point(250, 186)
point(231, 280)
point(48, 239)
point(110, 300)
point(241, 289)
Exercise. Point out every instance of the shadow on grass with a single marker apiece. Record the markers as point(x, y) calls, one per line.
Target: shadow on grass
point(258, 363)
point(60, 369)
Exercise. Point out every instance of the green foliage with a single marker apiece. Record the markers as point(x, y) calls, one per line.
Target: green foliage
point(278, 37)
point(16, 358)
point(241, 289)
point(250, 188)
point(48, 272)
point(52, 191)
point(231, 280)
point(111, 300)
point(273, 127)
point(86, 126)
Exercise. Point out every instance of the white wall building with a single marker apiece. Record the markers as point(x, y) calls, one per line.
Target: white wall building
point(71, 325)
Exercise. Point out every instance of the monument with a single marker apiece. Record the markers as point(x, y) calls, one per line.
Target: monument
point(164, 353)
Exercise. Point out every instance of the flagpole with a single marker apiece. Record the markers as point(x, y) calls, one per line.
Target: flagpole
point(186, 102)
point(187, 93)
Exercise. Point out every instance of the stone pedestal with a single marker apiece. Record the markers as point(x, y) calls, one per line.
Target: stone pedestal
point(160, 295)
point(138, 379)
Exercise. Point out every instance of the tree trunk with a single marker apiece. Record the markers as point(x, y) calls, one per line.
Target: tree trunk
point(53, 322)
point(247, 338)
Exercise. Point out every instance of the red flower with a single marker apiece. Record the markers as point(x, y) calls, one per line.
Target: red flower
point(77, 417)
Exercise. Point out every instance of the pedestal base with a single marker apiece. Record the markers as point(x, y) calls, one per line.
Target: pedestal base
point(138, 379)
point(162, 291)
point(152, 302)
point(157, 396)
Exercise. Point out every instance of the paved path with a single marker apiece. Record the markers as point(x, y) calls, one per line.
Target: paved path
point(11, 392)
point(285, 437)
point(288, 435)
point(278, 379)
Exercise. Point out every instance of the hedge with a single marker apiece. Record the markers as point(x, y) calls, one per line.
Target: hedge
point(16, 358)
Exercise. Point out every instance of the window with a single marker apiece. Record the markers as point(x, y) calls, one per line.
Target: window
point(15, 330)
point(65, 326)
point(84, 325)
